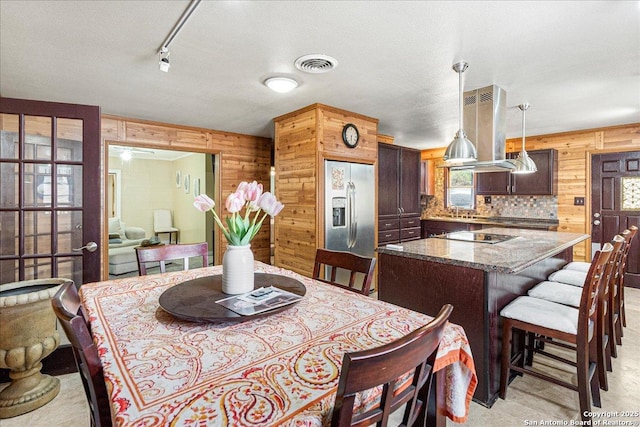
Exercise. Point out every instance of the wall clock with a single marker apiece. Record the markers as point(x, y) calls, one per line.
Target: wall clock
point(350, 135)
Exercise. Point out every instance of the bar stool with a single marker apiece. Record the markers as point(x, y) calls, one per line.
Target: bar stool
point(619, 308)
point(572, 275)
point(548, 322)
point(570, 295)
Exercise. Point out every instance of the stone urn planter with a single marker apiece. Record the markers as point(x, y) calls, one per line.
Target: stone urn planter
point(27, 335)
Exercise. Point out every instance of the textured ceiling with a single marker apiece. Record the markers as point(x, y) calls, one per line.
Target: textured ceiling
point(576, 63)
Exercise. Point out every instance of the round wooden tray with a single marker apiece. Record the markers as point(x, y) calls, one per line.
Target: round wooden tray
point(195, 299)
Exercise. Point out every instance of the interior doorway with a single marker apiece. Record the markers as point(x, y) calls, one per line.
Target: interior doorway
point(154, 179)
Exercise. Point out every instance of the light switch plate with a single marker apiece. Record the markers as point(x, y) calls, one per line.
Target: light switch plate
point(578, 201)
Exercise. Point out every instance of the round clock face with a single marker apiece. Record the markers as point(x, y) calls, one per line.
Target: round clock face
point(350, 135)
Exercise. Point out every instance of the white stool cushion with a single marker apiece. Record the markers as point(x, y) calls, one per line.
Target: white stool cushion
point(543, 313)
point(578, 266)
point(570, 277)
point(557, 292)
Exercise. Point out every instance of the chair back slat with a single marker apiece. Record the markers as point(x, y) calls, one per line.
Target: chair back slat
point(590, 291)
point(66, 305)
point(165, 253)
point(628, 235)
point(384, 366)
point(354, 264)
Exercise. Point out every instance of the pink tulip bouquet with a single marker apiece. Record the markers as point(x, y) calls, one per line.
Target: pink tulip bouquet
point(241, 229)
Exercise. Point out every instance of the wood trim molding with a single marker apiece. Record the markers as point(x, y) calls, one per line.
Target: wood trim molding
point(318, 106)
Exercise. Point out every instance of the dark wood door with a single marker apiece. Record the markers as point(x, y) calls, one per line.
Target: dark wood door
point(50, 191)
point(388, 181)
point(542, 182)
point(615, 203)
point(410, 182)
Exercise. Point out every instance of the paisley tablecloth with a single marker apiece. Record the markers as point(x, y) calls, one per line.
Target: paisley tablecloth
point(281, 369)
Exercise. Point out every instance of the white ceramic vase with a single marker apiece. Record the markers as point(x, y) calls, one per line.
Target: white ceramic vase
point(237, 270)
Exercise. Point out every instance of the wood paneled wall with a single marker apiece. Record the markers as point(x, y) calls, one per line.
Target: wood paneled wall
point(574, 169)
point(303, 140)
point(242, 158)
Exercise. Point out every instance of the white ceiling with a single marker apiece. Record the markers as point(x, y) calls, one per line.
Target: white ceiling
point(576, 62)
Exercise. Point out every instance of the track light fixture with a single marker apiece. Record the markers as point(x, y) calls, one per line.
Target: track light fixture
point(164, 60)
point(163, 52)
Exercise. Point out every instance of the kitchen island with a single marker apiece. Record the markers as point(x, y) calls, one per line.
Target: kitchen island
point(478, 279)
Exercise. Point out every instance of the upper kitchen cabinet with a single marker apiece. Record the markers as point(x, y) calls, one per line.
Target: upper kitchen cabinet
point(544, 182)
point(398, 194)
point(427, 177)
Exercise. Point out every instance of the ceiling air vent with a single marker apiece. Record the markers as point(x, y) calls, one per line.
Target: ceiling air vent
point(316, 63)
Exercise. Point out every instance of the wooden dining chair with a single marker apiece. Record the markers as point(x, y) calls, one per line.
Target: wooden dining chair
point(164, 253)
point(557, 324)
point(387, 366)
point(68, 310)
point(354, 264)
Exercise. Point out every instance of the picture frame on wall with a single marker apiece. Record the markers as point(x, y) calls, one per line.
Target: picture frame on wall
point(196, 187)
point(187, 183)
point(178, 179)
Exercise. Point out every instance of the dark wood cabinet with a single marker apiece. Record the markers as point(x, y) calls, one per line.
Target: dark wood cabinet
point(410, 183)
point(398, 194)
point(427, 177)
point(430, 228)
point(493, 183)
point(543, 182)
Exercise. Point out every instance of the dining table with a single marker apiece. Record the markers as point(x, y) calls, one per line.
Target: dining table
point(277, 369)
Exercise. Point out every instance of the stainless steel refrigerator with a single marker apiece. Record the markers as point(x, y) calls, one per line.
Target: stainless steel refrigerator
point(349, 208)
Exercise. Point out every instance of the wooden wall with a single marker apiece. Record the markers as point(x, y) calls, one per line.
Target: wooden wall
point(303, 140)
point(574, 169)
point(242, 158)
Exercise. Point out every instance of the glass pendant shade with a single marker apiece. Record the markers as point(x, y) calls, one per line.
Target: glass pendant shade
point(460, 149)
point(523, 162)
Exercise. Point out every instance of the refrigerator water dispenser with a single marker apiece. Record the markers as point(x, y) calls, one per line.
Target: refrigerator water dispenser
point(338, 205)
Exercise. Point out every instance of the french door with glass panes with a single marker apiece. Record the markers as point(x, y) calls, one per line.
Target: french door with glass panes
point(49, 191)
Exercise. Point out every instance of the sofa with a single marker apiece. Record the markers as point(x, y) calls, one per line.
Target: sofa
point(122, 242)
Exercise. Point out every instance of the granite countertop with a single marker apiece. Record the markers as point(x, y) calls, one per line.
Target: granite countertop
point(497, 221)
point(511, 256)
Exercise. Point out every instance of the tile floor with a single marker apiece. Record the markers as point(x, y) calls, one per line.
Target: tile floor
point(530, 401)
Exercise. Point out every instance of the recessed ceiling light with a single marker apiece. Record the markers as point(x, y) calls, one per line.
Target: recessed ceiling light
point(281, 84)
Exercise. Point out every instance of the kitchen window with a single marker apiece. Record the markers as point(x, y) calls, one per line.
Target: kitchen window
point(460, 189)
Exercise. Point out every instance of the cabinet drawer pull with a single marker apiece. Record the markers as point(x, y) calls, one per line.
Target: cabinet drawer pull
point(387, 235)
point(388, 225)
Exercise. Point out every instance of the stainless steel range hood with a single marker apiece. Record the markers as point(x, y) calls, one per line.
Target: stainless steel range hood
point(485, 122)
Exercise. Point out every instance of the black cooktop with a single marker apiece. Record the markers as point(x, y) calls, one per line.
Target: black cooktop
point(479, 237)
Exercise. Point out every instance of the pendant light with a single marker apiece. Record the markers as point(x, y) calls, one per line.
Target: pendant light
point(523, 162)
point(460, 149)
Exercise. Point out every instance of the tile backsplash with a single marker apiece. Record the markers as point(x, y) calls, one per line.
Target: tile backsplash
point(538, 207)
